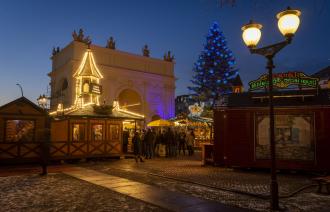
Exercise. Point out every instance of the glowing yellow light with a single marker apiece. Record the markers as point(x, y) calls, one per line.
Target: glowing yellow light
point(288, 22)
point(116, 107)
point(63, 110)
point(251, 34)
point(60, 107)
point(83, 88)
point(94, 65)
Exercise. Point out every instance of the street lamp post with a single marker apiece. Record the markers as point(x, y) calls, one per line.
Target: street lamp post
point(19, 85)
point(42, 101)
point(288, 23)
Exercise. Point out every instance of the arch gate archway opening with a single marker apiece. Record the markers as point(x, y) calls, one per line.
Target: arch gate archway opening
point(130, 100)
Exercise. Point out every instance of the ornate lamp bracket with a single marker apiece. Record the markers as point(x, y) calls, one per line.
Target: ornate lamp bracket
point(271, 50)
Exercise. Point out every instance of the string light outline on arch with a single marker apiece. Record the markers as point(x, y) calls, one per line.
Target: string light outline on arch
point(96, 75)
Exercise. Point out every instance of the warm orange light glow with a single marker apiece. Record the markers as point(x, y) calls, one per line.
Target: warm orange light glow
point(288, 22)
point(93, 77)
point(116, 107)
point(251, 34)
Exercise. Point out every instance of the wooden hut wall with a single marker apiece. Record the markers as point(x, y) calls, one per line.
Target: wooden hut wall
point(235, 138)
point(64, 144)
point(15, 150)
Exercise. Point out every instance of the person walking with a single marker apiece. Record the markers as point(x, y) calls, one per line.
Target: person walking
point(125, 140)
point(190, 142)
point(176, 142)
point(143, 142)
point(149, 141)
point(169, 137)
point(137, 147)
point(182, 142)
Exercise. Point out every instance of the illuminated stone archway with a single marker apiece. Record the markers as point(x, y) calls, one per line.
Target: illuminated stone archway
point(130, 100)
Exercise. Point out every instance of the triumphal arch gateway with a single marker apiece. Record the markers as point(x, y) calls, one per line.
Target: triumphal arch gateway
point(84, 74)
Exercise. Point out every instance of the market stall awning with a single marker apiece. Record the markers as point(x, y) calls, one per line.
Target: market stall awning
point(160, 123)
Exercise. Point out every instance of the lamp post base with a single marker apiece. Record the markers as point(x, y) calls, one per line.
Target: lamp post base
point(274, 199)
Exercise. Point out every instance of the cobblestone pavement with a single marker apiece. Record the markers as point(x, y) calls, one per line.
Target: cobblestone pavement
point(185, 174)
point(59, 192)
point(171, 200)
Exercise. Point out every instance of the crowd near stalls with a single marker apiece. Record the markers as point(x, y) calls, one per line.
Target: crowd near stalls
point(91, 131)
point(161, 138)
point(29, 134)
point(201, 126)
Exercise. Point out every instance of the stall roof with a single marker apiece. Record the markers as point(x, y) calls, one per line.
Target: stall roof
point(88, 111)
point(323, 74)
point(281, 98)
point(194, 119)
point(15, 107)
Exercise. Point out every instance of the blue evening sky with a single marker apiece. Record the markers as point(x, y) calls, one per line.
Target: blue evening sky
point(30, 28)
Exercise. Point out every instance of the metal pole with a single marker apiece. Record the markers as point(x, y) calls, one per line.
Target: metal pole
point(274, 184)
point(19, 85)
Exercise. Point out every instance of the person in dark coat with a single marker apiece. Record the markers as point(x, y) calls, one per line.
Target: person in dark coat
point(169, 137)
point(137, 147)
point(143, 143)
point(182, 142)
point(158, 141)
point(125, 140)
point(149, 144)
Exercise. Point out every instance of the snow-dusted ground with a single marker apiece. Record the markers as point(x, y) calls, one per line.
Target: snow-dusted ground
point(59, 192)
point(212, 182)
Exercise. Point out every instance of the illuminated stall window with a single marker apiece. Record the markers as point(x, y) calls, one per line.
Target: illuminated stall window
point(20, 130)
point(97, 132)
point(78, 132)
point(114, 131)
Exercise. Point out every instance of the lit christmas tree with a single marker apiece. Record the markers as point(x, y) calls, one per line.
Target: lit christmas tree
point(214, 71)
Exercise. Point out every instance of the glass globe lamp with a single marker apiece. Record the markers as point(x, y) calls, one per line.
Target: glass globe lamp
point(251, 34)
point(288, 22)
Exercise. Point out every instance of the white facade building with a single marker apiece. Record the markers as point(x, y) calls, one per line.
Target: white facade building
point(141, 84)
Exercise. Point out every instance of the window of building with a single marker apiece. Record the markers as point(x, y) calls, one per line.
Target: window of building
point(97, 132)
point(114, 131)
point(86, 87)
point(65, 84)
point(237, 90)
point(78, 132)
point(20, 130)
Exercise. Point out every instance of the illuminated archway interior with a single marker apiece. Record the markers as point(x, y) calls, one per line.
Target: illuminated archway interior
point(130, 100)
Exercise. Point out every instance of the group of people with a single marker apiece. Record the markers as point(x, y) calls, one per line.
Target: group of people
point(147, 143)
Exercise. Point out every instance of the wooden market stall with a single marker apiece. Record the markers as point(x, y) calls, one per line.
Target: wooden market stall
point(302, 130)
point(24, 128)
point(86, 133)
point(201, 126)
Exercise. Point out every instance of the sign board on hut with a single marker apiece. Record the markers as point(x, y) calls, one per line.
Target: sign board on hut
point(285, 80)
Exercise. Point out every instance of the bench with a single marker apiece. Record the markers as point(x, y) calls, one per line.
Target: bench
point(323, 181)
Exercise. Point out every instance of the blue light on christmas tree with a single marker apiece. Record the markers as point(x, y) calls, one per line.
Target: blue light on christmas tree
point(214, 70)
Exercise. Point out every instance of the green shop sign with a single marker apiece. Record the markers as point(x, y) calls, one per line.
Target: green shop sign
point(284, 80)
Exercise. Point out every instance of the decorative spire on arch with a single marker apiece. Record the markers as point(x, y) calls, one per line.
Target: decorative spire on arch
point(88, 88)
point(88, 67)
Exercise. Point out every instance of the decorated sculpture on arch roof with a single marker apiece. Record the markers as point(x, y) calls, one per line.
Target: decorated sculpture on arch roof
point(80, 37)
point(111, 44)
point(55, 50)
point(169, 56)
point(146, 51)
